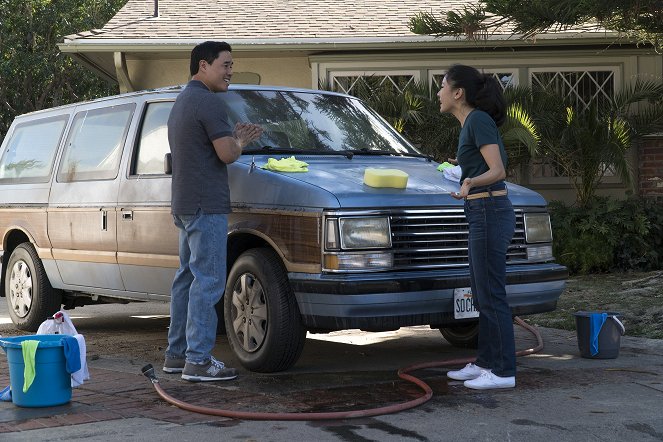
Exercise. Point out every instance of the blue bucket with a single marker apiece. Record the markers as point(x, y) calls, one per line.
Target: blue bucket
point(52, 383)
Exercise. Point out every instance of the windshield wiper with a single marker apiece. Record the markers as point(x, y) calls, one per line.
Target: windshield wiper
point(366, 151)
point(273, 149)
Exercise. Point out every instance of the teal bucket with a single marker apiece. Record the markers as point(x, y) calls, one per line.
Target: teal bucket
point(52, 383)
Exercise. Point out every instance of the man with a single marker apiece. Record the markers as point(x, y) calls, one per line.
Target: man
point(202, 143)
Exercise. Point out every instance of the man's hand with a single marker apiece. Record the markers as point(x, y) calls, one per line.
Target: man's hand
point(245, 133)
point(229, 148)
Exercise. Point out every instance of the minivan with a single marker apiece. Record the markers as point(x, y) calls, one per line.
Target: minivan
point(85, 218)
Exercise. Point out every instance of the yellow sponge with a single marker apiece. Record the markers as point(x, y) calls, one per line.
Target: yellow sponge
point(385, 178)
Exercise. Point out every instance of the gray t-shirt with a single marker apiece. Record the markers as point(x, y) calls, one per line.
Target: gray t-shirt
point(200, 178)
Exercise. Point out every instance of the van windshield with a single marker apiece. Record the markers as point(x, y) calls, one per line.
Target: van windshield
point(314, 123)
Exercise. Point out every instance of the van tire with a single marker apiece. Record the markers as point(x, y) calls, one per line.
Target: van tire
point(258, 292)
point(30, 297)
point(462, 336)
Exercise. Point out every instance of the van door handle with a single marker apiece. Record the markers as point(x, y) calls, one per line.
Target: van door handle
point(127, 215)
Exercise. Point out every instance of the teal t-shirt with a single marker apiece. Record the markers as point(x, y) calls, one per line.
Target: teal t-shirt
point(479, 129)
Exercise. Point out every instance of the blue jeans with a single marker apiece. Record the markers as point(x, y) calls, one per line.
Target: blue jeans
point(198, 286)
point(491, 224)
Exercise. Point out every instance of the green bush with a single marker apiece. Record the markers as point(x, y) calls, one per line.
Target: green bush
point(608, 234)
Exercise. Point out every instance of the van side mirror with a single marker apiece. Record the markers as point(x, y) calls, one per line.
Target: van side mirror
point(168, 164)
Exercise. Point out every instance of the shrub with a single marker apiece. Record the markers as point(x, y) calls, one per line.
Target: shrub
point(608, 234)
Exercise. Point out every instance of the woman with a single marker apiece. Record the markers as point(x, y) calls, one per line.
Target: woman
point(476, 100)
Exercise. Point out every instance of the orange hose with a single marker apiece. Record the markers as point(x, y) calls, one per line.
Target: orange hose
point(402, 373)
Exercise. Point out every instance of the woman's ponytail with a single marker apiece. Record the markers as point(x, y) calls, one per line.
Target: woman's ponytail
point(482, 91)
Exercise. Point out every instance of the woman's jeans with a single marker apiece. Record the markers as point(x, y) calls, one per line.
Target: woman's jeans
point(198, 286)
point(491, 224)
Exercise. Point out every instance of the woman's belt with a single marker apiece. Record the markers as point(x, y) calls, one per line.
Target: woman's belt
point(474, 196)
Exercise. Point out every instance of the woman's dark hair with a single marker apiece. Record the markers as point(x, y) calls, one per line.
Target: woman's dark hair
point(482, 91)
point(208, 51)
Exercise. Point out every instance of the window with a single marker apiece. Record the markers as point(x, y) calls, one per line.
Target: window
point(153, 143)
point(94, 146)
point(505, 77)
point(31, 149)
point(358, 83)
point(582, 86)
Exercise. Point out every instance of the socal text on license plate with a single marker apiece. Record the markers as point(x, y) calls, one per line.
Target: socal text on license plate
point(463, 304)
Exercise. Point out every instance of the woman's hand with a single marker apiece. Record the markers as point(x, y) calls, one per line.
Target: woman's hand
point(464, 189)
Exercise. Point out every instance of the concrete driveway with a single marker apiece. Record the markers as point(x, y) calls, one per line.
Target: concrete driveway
point(559, 395)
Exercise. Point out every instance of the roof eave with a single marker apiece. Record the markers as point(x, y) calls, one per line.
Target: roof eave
point(87, 44)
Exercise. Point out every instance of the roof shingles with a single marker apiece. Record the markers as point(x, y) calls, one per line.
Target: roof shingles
point(267, 19)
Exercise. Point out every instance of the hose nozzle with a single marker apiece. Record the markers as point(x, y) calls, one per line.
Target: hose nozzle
point(148, 372)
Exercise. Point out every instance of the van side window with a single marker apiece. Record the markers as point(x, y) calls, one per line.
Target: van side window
point(153, 143)
point(94, 146)
point(28, 157)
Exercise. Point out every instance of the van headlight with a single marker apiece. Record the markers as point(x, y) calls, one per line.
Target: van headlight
point(364, 233)
point(354, 241)
point(537, 228)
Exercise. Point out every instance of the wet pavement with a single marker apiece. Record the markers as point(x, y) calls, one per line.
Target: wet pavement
point(559, 395)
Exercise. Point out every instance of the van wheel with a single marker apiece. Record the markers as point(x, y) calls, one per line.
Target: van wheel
point(263, 323)
point(30, 297)
point(462, 336)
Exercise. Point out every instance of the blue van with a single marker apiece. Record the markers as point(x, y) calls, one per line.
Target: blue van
point(85, 218)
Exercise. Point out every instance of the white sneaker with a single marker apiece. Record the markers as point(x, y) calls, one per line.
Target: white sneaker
point(470, 371)
point(487, 381)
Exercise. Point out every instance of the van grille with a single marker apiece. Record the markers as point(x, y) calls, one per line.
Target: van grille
point(429, 239)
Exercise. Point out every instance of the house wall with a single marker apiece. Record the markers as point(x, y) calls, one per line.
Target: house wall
point(650, 183)
point(276, 71)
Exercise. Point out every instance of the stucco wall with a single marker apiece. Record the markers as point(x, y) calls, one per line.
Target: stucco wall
point(277, 71)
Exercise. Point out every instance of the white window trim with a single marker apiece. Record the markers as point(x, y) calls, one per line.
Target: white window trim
point(616, 72)
point(332, 74)
point(513, 70)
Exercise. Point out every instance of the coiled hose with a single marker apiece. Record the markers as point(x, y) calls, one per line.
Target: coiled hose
point(148, 371)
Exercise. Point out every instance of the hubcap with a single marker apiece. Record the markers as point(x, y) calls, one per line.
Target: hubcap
point(249, 312)
point(20, 289)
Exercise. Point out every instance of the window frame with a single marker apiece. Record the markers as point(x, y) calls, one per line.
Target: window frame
point(611, 179)
point(515, 80)
point(61, 176)
point(332, 74)
point(135, 150)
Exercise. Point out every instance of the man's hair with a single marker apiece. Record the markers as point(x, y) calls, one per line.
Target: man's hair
point(208, 51)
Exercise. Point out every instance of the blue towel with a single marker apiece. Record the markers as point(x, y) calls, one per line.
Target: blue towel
point(6, 394)
point(596, 321)
point(72, 353)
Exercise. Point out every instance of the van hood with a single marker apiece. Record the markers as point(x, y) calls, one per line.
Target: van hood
point(342, 179)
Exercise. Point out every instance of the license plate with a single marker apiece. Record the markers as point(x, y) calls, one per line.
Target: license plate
point(464, 305)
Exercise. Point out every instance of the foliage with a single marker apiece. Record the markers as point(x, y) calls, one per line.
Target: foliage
point(608, 234)
point(637, 19)
point(585, 142)
point(34, 73)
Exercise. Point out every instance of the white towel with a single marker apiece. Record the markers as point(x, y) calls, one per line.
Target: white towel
point(82, 375)
point(452, 173)
point(61, 326)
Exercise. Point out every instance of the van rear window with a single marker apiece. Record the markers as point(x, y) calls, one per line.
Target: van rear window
point(29, 153)
point(94, 146)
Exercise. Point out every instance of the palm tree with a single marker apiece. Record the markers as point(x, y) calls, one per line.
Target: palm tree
point(586, 143)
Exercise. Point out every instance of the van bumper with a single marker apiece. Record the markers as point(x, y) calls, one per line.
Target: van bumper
point(386, 301)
